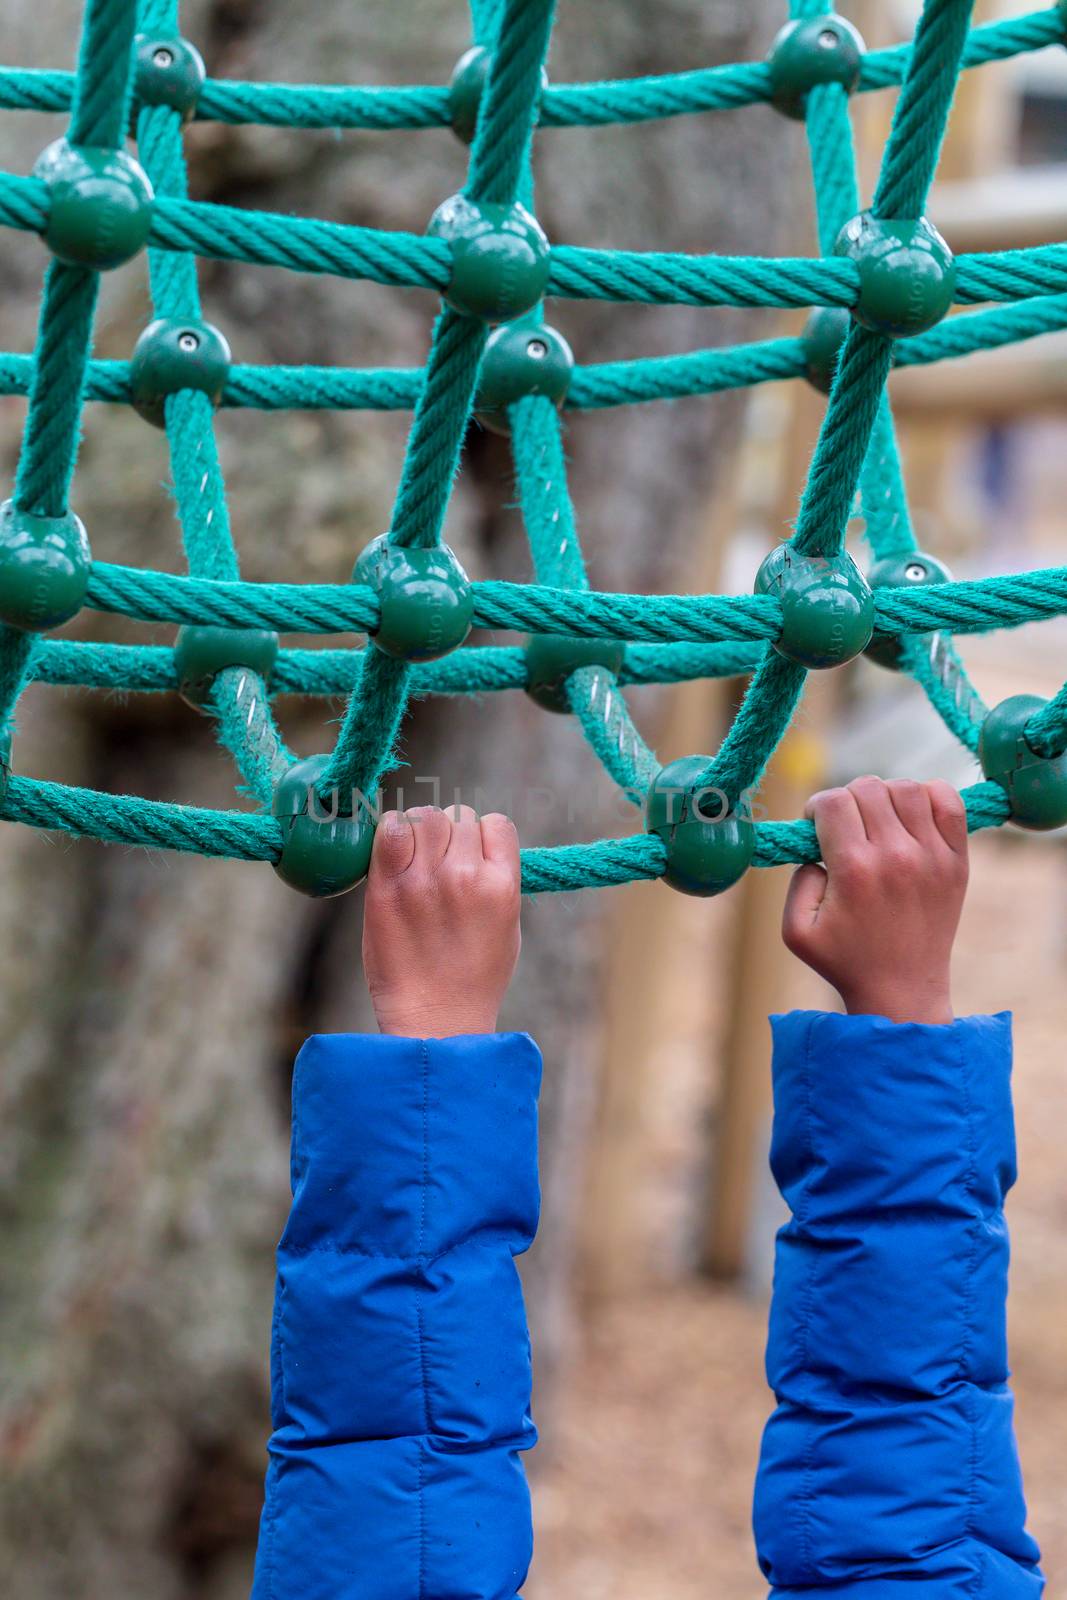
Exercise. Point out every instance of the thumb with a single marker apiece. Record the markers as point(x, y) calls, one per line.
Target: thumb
point(806, 890)
point(394, 846)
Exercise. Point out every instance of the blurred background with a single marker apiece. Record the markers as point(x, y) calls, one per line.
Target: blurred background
point(152, 1004)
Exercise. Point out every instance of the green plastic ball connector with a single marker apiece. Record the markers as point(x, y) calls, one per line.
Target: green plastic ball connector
point(500, 258)
point(465, 91)
point(907, 273)
point(168, 72)
point(200, 653)
point(172, 355)
point(520, 359)
point(823, 339)
point(827, 606)
point(810, 52)
point(426, 599)
point(1036, 786)
point(552, 657)
point(326, 844)
point(101, 205)
point(912, 567)
point(709, 846)
point(44, 568)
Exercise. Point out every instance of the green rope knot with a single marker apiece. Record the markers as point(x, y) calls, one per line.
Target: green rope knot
point(201, 653)
point(552, 657)
point(326, 841)
point(907, 273)
point(426, 599)
point(100, 212)
point(823, 339)
point(521, 358)
point(809, 52)
point(1036, 786)
point(911, 568)
point(710, 843)
point(500, 257)
point(44, 568)
point(827, 606)
point(466, 91)
point(168, 71)
point(173, 354)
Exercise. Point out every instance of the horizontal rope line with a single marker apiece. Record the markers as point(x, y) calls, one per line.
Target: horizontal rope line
point(157, 824)
point(479, 669)
point(628, 100)
point(608, 383)
point(973, 606)
point(305, 244)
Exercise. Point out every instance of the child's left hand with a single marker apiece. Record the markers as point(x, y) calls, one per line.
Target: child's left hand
point(441, 926)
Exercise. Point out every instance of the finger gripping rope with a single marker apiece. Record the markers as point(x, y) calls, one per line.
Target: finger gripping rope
point(878, 296)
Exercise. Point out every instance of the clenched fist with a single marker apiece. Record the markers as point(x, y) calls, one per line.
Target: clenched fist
point(441, 926)
point(879, 917)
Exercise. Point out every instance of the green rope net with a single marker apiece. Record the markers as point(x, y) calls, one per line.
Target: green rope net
point(880, 293)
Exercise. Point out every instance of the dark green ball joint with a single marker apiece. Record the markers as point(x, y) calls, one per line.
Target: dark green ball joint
point(823, 339)
point(172, 355)
point(500, 258)
point(907, 273)
point(201, 653)
point(710, 845)
point(521, 358)
point(827, 606)
point(101, 205)
point(465, 92)
point(168, 72)
point(1036, 786)
point(552, 657)
point(44, 568)
point(811, 52)
point(426, 599)
point(912, 567)
point(326, 841)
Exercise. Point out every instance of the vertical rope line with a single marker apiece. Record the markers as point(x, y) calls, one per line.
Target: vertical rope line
point(505, 126)
point(837, 199)
point(365, 743)
point(244, 721)
point(594, 693)
point(64, 332)
point(436, 439)
point(104, 81)
point(53, 421)
point(547, 508)
point(856, 396)
point(933, 663)
point(914, 144)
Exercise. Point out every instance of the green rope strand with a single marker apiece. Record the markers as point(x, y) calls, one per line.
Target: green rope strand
point(921, 113)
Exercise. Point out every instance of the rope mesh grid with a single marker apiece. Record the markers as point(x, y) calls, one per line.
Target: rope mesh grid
point(666, 638)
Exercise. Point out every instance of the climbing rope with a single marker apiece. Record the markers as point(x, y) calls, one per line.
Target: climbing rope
point(882, 293)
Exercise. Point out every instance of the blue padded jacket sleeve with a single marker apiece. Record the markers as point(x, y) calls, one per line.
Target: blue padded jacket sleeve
point(889, 1468)
point(400, 1359)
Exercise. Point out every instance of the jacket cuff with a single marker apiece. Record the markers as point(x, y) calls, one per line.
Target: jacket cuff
point(417, 1144)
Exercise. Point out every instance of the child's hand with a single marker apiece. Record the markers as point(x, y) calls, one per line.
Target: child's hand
point(879, 918)
point(441, 926)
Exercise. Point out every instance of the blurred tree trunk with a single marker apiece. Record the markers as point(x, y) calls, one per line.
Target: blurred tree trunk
point(152, 1005)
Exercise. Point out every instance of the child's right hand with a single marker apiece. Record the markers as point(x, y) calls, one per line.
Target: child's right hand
point(878, 919)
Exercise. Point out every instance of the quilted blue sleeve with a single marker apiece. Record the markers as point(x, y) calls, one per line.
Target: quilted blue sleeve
point(400, 1359)
point(889, 1468)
